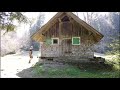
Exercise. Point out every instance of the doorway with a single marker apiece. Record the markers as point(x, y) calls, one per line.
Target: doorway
point(66, 47)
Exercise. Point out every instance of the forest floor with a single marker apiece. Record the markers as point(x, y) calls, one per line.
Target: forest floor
point(17, 66)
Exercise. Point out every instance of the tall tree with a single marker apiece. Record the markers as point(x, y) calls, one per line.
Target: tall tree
point(88, 16)
point(7, 18)
point(106, 23)
point(36, 27)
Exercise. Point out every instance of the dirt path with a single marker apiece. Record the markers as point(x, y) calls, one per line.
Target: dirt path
point(13, 64)
point(17, 66)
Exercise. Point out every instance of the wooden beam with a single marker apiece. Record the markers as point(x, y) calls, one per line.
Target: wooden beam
point(59, 20)
point(60, 29)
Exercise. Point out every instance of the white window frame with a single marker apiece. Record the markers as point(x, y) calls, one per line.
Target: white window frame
point(53, 39)
point(72, 40)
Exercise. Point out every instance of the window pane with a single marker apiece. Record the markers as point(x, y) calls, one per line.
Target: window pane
point(55, 41)
point(76, 41)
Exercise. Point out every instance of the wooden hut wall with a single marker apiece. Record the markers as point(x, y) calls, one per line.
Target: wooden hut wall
point(68, 30)
point(49, 50)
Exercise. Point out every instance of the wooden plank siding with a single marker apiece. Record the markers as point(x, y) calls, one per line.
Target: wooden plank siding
point(65, 31)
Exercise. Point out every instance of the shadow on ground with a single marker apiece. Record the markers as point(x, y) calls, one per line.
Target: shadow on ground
point(26, 73)
point(30, 72)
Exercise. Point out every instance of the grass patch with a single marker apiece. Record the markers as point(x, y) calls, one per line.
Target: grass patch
point(64, 72)
point(73, 72)
point(113, 60)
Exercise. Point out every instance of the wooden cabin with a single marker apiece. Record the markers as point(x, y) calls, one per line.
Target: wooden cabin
point(67, 36)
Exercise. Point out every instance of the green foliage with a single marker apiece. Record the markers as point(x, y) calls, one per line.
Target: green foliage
point(18, 16)
point(7, 18)
point(73, 72)
point(115, 46)
point(114, 60)
point(8, 27)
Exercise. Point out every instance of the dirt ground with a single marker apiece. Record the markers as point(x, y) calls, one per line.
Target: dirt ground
point(15, 63)
point(17, 66)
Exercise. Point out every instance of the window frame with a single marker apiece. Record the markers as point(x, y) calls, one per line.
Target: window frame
point(53, 39)
point(73, 38)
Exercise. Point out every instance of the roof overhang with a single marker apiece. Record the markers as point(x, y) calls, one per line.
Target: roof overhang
point(37, 36)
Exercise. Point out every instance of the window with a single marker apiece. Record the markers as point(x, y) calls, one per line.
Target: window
point(55, 41)
point(48, 41)
point(75, 40)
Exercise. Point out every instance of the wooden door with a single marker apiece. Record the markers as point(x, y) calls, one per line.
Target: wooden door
point(66, 47)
